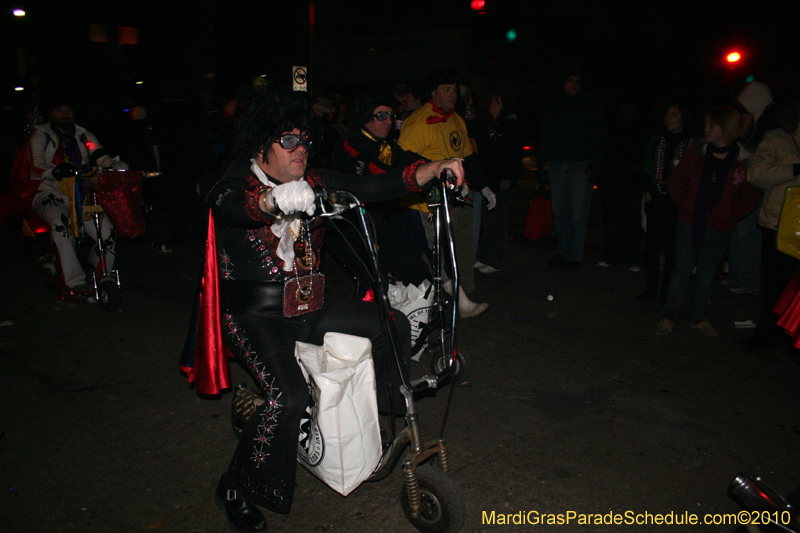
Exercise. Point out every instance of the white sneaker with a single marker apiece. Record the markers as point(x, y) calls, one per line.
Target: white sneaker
point(603, 264)
point(635, 268)
point(478, 265)
point(486, 269)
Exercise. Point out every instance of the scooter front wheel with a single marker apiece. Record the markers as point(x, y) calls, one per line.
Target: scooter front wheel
point(110, 295)
point(443, 508)
point(459, 374)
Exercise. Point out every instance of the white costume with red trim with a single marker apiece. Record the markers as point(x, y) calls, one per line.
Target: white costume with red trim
point(53, 206)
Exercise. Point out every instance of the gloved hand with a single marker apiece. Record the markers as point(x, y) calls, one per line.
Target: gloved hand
point(490, 196)
point(64, 170)
point(293, 197)
point(119, 165)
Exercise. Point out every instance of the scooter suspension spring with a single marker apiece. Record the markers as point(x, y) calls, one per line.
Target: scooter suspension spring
point(412, 489)
point(441, 457)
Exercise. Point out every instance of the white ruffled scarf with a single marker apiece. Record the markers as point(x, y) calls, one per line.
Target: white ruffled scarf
point(285, 227)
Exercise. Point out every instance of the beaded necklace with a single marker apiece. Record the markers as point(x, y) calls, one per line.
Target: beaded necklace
point(680, 149)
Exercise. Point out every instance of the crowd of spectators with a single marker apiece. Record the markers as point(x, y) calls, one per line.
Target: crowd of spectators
point(583, 146)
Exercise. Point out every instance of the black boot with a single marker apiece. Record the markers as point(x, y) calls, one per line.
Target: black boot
point(243, 516)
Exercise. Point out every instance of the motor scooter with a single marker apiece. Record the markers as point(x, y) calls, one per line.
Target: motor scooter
point(430, 499)
point(95, 182)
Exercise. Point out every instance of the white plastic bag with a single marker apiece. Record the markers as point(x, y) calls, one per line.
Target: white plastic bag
point(414, 302)
point(342, 445)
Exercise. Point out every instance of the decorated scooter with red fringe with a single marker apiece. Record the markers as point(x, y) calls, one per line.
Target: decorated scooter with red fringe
point(108, 195)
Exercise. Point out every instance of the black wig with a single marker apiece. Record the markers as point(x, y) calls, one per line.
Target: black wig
point(366, 103)
point(267, 117)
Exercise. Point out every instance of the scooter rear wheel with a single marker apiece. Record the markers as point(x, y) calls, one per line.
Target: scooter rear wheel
point(110, 296)
point(443, 508)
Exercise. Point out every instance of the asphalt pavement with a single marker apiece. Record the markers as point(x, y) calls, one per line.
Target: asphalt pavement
point(573, 405)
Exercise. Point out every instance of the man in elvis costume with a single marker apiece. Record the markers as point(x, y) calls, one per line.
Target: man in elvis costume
point(260, 242)
point(56, 151)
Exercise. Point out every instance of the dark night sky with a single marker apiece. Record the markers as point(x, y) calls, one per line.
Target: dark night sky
point(625, 48)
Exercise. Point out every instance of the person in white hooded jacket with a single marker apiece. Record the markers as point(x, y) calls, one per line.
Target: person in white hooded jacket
point(774, 167)
point(744, 257)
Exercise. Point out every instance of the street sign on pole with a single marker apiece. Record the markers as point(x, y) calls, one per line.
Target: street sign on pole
point(299, 78)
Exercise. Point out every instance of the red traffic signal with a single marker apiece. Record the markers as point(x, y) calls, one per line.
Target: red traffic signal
point(733, 57)
point(477, 5)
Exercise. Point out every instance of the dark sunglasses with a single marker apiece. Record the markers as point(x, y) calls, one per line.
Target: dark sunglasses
point(289, 141)
point(383, 115)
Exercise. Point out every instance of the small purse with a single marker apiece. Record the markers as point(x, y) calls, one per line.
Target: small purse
point(303, 294)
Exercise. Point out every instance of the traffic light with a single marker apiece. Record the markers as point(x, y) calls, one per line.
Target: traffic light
point(733, 57)
point(511, 35)
point(477, 5)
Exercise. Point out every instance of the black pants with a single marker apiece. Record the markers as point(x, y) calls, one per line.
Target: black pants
point(660, 239)
point(396, 255)
point(264, 464)
point(777, 269)
point(622, 228)
point(493, 243)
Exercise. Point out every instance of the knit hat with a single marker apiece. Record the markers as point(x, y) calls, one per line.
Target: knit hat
point(755, 97)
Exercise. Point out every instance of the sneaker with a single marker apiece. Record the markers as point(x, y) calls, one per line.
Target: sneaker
point(486, 269)
point(664, 326)
point(742, 290)
point(604, 264)
point(705, 328)
point(635, 268)
point(478, 265)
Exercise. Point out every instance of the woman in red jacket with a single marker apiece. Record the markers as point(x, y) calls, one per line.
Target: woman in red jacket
point(709, 188)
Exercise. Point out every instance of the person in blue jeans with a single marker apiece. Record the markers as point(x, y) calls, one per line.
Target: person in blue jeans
point(573, 138)
point(711, 193)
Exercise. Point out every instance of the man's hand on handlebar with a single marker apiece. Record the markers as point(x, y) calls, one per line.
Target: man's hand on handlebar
point(64, 170)
point(288, 198)
point(427, 171)
point(113, 163)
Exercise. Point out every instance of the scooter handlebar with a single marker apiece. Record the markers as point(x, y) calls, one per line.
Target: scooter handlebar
point(333, 202)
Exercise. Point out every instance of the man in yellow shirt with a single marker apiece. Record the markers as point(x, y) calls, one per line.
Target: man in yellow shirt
point(436, 132)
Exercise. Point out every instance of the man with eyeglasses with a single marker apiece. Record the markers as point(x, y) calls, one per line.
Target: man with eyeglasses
point(435, 132)
point(262, 262)
point(367, 149)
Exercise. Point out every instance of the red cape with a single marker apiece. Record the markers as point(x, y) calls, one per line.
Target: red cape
point(788, 309)
point(210, 372)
